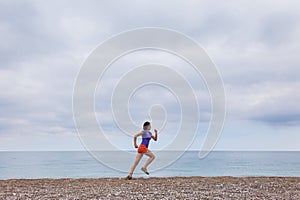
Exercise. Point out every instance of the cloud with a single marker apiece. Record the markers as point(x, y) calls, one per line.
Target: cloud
point(24, 34)
point(42, 45)
point(273, 103)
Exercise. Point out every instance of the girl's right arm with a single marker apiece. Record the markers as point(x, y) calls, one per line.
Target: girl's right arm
point(134, 139)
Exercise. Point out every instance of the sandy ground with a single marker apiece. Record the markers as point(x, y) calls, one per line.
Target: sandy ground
point(153, 188)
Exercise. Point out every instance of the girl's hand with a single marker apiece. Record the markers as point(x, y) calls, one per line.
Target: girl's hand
point(155, 131)
point(136, 146)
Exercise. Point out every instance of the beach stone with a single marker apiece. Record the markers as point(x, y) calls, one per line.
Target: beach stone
point(153, 188)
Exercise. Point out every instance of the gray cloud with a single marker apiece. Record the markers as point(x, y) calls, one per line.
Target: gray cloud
point(42, 44)
point(25, 35)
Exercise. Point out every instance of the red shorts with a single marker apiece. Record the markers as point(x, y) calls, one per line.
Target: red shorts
point(142, 149)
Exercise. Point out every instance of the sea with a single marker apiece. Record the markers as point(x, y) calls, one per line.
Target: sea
point(81, 164)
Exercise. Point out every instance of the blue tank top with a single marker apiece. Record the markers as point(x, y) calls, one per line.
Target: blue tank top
point(146, 137)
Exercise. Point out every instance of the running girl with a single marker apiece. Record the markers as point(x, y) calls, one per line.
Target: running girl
point(143, 148)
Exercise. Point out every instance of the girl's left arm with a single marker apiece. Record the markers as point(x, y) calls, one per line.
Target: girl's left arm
point(155, 136)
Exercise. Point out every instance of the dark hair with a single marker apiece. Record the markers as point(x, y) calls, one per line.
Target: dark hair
point(145, 125)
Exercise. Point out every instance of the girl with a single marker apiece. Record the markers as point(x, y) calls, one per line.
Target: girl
point(143, 148)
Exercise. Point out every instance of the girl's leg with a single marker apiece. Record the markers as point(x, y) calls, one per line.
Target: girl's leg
point(136, 162)
point(150, 159)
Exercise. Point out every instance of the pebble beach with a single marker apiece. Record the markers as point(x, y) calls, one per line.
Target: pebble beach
point(153, 188)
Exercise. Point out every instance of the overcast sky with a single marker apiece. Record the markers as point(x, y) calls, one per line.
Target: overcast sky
point(254, 44)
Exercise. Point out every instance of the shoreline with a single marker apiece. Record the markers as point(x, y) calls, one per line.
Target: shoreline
point(137, 177)
point(194, 187)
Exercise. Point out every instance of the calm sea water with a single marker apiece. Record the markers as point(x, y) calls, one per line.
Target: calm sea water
point(80, 164)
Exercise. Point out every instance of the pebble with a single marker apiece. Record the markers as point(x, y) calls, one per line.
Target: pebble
point(153, 188)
